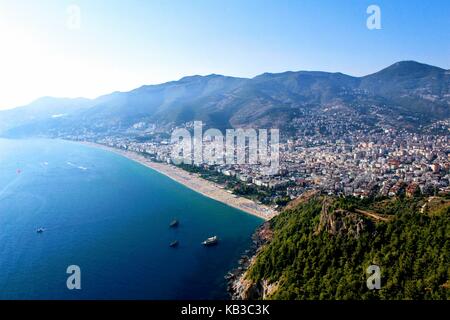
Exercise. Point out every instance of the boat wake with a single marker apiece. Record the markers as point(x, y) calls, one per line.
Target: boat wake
point(76, 166)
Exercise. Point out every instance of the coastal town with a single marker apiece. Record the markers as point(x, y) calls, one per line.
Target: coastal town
point(387, 162)
point(225, 159)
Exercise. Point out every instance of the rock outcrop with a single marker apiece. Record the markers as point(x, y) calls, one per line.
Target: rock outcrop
point(340, 222)
point(239, 287)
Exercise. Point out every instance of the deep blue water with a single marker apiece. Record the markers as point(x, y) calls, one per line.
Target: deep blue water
point(110, 216)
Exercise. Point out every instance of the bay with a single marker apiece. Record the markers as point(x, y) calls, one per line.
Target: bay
point(110, 216)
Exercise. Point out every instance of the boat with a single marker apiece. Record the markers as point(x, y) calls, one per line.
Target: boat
point(40, 230)
point(174, 223)
point(173, 244)
point(210, 241)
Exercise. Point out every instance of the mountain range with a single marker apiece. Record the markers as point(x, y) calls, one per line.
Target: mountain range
point(406, 93)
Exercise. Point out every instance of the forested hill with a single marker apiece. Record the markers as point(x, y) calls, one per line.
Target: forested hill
point(321, 248)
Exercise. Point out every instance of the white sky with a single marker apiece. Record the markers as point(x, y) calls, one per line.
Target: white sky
point(31, 66)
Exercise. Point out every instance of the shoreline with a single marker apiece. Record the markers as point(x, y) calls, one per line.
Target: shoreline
point(194, 182)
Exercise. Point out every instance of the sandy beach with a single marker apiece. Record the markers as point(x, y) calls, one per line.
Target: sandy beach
point(196, 183)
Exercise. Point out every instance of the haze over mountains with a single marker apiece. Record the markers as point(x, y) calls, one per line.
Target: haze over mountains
point(407, 93)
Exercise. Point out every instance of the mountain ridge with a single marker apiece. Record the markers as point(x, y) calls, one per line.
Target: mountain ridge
point(406, 89)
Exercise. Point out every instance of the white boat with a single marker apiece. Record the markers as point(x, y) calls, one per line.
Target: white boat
point(210, 241)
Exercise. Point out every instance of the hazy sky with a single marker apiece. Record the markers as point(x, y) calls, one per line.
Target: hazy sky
point(120, 45)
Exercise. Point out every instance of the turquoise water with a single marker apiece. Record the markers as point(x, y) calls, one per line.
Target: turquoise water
point(109, 216)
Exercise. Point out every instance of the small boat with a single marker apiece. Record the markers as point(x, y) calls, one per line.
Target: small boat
point(210, 241)
point(40, 230)
point(174, 223)
point(173, 244)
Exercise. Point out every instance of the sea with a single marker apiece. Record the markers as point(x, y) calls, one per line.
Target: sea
point(110, 217)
